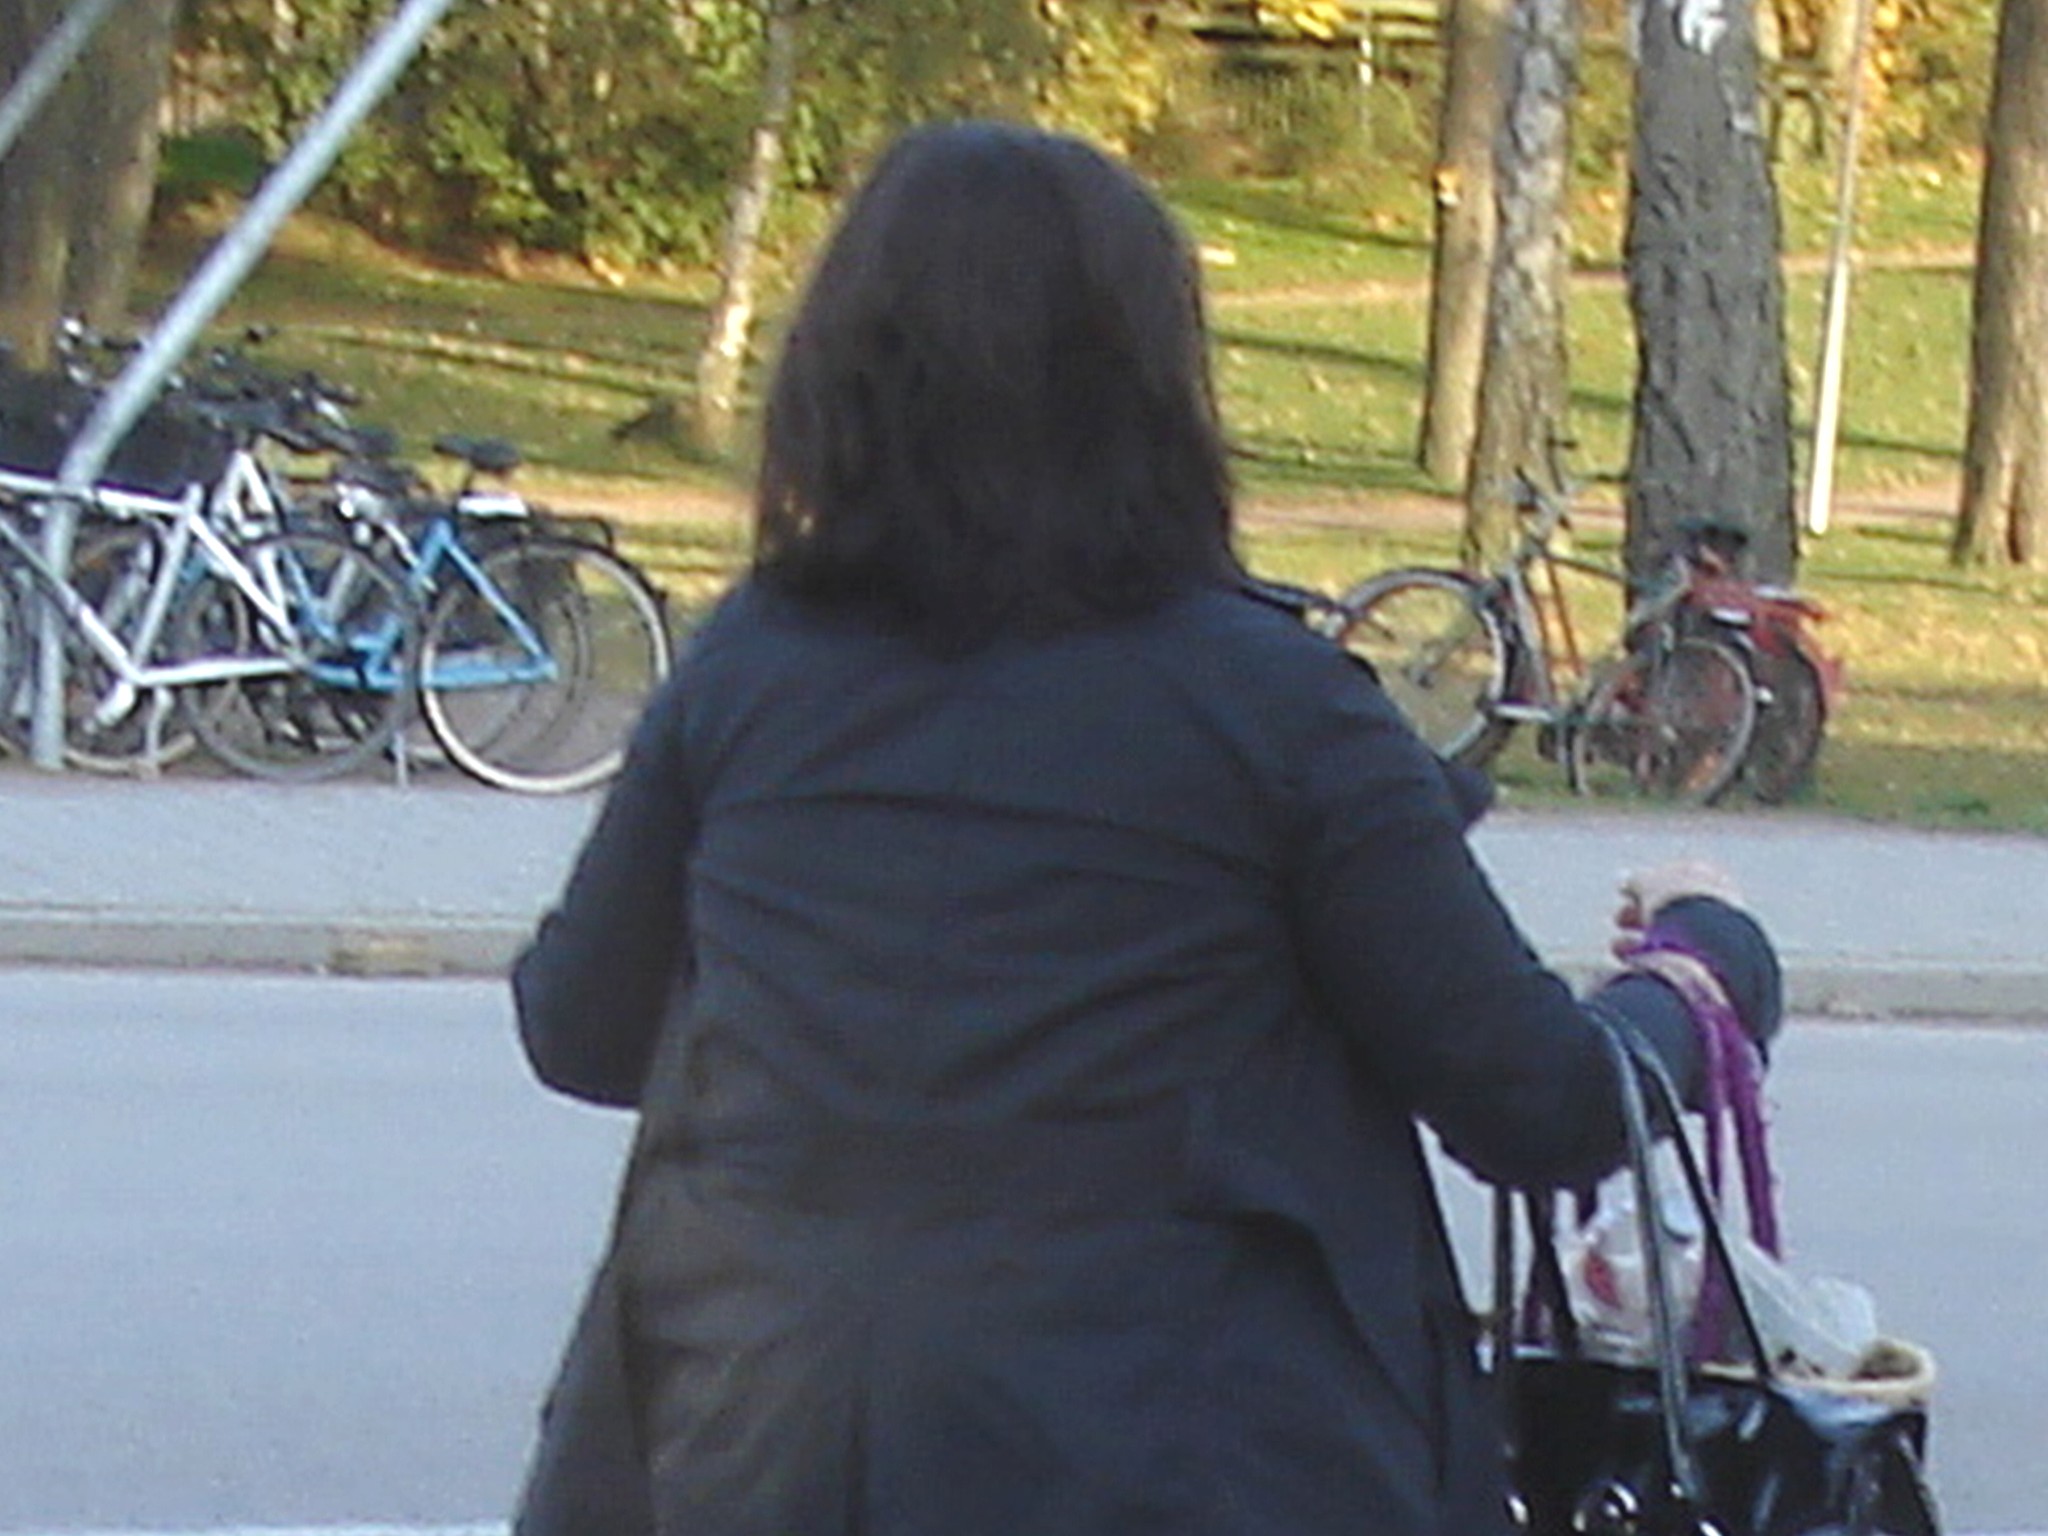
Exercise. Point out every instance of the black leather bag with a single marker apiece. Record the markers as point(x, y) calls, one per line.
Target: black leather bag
point(1668, 1449)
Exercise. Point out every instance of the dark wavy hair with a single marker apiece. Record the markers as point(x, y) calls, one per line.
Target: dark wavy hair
point(993, 413)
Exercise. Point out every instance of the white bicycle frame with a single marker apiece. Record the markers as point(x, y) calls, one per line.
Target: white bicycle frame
point(188, 528)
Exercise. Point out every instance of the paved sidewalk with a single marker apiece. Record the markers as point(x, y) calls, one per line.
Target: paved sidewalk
point(441, 877)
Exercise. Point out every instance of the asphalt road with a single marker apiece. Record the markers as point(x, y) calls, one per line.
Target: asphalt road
point(278, 1251)
point(289, 1252)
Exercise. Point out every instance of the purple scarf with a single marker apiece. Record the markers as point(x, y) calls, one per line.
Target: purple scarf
point(1732, 1096)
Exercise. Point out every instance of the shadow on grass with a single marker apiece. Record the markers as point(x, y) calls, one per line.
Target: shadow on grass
point(1282, 208)
point(1873, 442)
point(1957, 787)
point(1268, 463)
point(1963, 583)
point(2029, 696)
point(1405, 370)
point(543, 361)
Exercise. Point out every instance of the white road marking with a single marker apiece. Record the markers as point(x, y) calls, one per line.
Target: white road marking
point(486, 1528)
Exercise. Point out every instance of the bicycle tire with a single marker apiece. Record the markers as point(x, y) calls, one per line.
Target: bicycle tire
point(14, 657)
point(1673, 724)
point(547, 710)
point(115, 568)
point(347, 663)
point(1790, 725)
point(1441, 654)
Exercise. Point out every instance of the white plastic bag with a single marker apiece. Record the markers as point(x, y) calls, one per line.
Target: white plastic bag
point(1606, 1281)
point(1820, 1326)
point(1817, 1326)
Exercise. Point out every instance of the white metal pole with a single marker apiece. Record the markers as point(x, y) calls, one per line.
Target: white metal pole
point(1827, 399)
point(222, 272)
point(53, 57)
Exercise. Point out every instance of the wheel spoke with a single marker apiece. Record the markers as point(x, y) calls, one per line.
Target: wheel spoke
point(345, 640)
point(533, 679)
point(1439, 655)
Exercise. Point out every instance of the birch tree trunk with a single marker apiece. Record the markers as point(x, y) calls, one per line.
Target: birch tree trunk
point(2005, 461)
point(1713, 427)
point(1462, 255)
point(1524, 391)
point(721, 365)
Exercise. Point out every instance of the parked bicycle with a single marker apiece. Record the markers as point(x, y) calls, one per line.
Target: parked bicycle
point(541, 642)
point(261, 647)
point(190, 614)
point(115, 560)
point(1669, 711)
point(533, 644)
point(1798, 682)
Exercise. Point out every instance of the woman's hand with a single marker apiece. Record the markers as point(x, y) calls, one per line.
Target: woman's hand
point(1647, 892)
point(1732, 945)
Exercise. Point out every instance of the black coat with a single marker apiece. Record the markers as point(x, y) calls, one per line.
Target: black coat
point(1030, 1048)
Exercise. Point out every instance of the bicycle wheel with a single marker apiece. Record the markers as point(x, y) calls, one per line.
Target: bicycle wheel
point(532, 678)
point(14, 654)
point(691, 595)
point(1440, 653)
point(1791, 720)
point(322, 692)
point(1673, 724)
point(115, 567)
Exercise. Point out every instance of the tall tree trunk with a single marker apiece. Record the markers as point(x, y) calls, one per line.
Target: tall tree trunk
point(34, 221)
point(1713, 418)
point(722, 362)
point(1524, 391)
point(2005, 461)
point(126, 73)
point(1462, 257)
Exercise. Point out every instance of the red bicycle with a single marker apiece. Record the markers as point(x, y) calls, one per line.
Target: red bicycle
point(1798, 683)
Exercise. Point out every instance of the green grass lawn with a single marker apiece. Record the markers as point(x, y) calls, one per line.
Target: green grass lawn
point(1319, 323)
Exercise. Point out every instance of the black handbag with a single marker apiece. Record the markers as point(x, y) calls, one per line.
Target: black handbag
point(1669, 1449)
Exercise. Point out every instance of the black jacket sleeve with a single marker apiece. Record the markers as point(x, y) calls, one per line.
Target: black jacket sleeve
point(1413, 956)
point(592, 987)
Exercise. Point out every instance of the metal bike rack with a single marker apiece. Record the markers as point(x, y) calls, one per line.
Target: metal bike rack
point(219, 275)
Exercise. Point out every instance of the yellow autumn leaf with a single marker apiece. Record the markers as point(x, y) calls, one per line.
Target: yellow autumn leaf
point(1308, 18)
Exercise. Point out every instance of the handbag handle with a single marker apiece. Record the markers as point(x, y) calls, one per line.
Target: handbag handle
point(1641, 1081)
point(1640, 1067)
point(1680, 1464)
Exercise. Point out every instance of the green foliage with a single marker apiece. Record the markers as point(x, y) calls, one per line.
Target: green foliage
point(613, 130)
point(196, 166)
point(598, 130)
point(1109, 78)
point(1083, 66)
point(1936, 68)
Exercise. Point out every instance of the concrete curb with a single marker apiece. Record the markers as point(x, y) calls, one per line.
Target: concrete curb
point(484, 947)
point(355, 946)
point(1847, 987)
